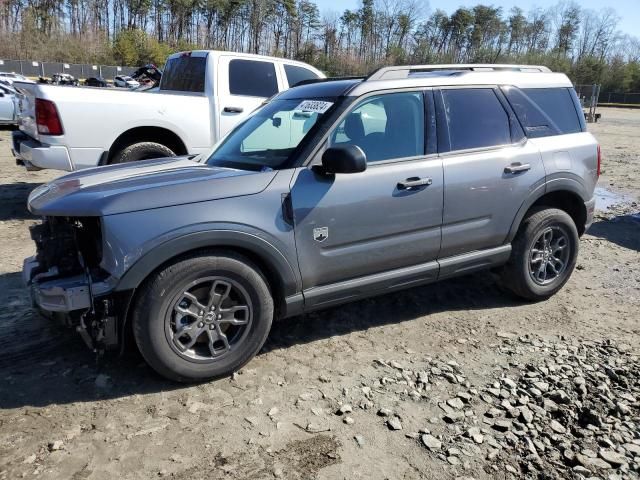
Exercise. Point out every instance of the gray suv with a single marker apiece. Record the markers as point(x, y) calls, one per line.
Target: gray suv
point(330, 192)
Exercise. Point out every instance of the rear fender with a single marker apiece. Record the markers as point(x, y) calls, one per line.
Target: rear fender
point(567, 182)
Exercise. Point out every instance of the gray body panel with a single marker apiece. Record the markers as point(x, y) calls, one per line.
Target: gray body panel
point(481, 200)
point(142, 186)
point(246, 221)
point(372, 225)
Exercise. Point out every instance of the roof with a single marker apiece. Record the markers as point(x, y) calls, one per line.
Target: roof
point(331, 88)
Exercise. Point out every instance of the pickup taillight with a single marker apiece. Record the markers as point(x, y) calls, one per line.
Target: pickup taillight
point(47, 118)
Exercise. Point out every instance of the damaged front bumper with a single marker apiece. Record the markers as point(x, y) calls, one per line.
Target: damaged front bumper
point(77, 301)
point(63, 295)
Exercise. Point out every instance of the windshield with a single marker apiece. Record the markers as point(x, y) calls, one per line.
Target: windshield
point(268, 138)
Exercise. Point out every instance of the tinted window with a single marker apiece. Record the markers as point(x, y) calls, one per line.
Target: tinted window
point(256, 79)
point(298, 74)
point(184, 74)
point(385, 127)
point(535, 122)
point(558, 105)
point(476, 118)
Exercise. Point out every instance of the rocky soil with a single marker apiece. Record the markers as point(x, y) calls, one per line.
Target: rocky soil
point(457, 380)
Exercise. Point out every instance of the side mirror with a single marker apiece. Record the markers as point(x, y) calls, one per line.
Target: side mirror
point(344, 159)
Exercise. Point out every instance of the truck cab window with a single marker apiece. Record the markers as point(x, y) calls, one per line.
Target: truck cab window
point(252, 78)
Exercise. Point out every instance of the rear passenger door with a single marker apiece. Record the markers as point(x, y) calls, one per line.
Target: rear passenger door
point(246, 84)
point(489, 168)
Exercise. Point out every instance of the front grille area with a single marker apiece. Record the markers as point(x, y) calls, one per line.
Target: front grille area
point(68, 244)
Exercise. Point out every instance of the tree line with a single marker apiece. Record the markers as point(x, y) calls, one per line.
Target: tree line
point(584, 43)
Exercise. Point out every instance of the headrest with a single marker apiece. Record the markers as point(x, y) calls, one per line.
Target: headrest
point(353, 127)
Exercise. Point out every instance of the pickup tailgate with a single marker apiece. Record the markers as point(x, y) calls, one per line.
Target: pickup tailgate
point(26, 107)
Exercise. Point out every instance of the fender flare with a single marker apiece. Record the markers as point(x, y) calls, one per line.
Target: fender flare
point(553, 184)
point(182, 244)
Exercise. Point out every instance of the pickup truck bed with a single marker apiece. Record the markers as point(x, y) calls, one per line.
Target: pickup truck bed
point(93, 119)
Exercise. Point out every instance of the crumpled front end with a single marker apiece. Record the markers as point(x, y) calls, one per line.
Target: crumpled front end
point(67, 282)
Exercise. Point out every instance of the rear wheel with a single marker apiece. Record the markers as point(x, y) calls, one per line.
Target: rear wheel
point(203, 317)
point(142, 151)
point(544, 254)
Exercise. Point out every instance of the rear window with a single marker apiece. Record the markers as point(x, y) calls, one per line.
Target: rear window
point(298, 74)
point(476, 118)
point(252, 78)
point(545, 112)
point(184, 74)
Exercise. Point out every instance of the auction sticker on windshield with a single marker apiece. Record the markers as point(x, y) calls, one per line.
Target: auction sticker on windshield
point(317, 106)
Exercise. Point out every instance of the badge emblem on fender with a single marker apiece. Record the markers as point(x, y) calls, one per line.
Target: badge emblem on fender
point(320, 234)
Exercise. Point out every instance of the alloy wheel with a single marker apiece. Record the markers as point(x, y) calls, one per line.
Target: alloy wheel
point(549, 255)
point(209, 319)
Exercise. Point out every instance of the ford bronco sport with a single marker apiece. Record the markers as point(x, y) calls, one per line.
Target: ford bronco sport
point(331, 191)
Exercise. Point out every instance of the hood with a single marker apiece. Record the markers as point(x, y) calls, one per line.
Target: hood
point(142, 185)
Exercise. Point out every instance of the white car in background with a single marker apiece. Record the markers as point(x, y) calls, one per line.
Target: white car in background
point(125, 82)
point(7, 105)
point(8, 78)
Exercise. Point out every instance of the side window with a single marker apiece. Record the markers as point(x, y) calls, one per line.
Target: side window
point(252, 78)
point(297, 74)
point(476, 118)
point(535, 122)
point(558, 105)
point(385, 127)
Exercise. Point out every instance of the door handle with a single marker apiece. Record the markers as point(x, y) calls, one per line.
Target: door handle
point(233, 109)
point(517, 168)
point(414, 182)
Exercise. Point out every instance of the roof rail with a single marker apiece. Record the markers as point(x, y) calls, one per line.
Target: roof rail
point(403, 71)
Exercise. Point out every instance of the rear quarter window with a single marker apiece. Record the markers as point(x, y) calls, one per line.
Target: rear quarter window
point(545, 112)
point(184, 74)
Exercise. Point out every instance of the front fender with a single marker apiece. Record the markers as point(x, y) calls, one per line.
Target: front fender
point(182, 244)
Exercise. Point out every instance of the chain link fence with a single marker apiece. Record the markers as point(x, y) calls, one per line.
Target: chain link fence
point(589, 95)
point(34, 69)
point(615, 98)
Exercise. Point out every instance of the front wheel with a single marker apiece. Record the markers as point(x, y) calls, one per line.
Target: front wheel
point(544, 254)
point(203, 317)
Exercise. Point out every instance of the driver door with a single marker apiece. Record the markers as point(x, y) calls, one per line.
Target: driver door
point(356, 233)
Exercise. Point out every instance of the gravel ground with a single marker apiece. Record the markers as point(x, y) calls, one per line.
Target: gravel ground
point(454, 380)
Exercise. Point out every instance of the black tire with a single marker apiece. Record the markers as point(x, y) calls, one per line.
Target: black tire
point(142, 151)
point(518, 275)
point(155, 308)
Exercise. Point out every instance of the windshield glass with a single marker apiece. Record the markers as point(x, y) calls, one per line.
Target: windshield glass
point(269, 137)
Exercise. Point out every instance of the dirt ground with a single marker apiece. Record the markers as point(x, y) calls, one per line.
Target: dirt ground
point(64, 416)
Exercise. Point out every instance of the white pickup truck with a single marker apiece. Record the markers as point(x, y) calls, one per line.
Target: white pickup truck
point(202, 95)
